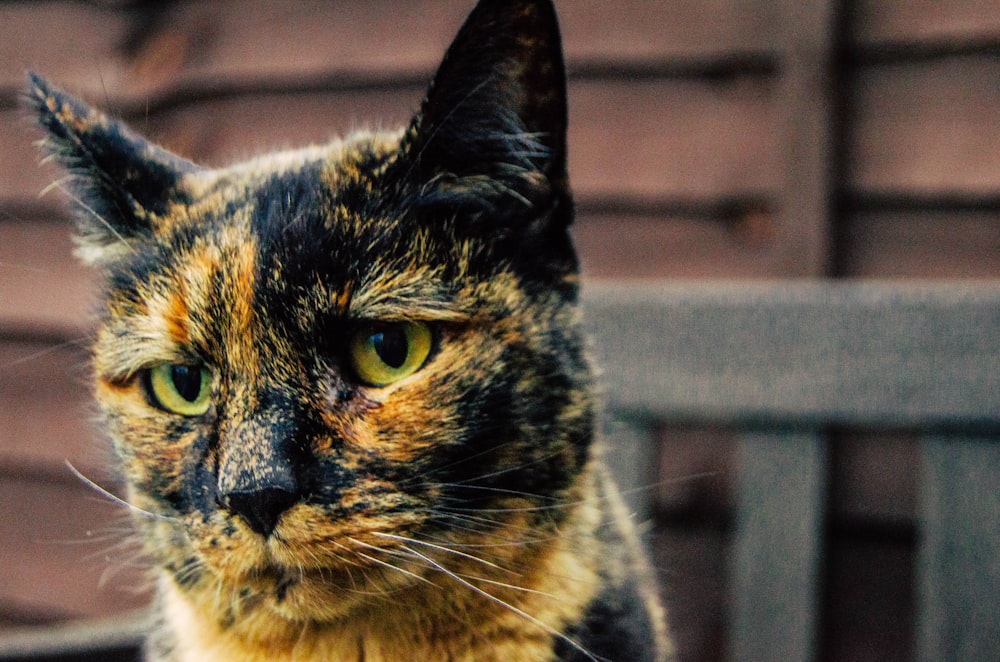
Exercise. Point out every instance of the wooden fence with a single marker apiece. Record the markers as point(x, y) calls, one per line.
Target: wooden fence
point(711, 140)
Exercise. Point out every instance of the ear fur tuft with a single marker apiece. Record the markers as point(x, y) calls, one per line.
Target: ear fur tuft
point(118, 180)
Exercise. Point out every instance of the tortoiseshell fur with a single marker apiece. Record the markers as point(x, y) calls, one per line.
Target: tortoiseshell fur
point(461, 513)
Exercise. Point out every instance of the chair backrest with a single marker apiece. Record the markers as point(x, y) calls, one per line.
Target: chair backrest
point(783, 362)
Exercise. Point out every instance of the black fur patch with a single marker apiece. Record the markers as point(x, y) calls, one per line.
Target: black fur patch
point(616, 627)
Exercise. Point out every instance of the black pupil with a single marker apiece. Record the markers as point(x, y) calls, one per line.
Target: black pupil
point(391, 346)
point(187, 381)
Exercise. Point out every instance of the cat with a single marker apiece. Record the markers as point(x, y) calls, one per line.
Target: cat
point(348, 386)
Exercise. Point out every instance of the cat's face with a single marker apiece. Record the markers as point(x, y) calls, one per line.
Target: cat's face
point(331, 372)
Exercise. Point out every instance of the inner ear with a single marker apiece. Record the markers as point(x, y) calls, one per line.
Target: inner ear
point(497, 104)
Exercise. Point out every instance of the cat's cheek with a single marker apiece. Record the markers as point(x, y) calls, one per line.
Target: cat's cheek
point(394, 432)
point(152, 463)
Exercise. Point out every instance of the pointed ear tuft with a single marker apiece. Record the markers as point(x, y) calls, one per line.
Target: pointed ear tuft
point(494, 121)
point(119, 181)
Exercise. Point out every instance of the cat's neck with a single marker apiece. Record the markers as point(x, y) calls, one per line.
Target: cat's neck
point(452, 621)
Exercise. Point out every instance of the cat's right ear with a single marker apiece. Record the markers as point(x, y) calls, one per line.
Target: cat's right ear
point(119, 182)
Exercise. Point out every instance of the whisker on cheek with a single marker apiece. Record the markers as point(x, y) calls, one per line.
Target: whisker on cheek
point(506, 605)
point(118, 500)
point(440, 548)
point(482, 526)
point(396, 568)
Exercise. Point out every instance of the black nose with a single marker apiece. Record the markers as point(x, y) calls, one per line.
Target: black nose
point(261, 508)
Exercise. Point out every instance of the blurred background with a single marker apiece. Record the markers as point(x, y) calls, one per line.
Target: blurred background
point(709, 139)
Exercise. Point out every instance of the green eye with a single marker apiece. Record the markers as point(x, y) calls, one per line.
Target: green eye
point(180, 389)
point(385, 353)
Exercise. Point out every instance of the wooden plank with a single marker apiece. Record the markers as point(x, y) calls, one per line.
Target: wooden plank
point(115, 639)
point(71, 549)
point(796, 353)
point(222, 131)
point(649, 246)
point(674, 139)
point(922, 244)
point(237, 43)
point(959, 559)
point(78, 41)
point(776, 557)
point(218, 132)
point(266, 40)
point(956, 22)
point(42, 286)
point(131, 53)
point(652, 31)
point(21, 178)
point(648, 138)
point(46, 411)
point(926, 129)
point(806, 105)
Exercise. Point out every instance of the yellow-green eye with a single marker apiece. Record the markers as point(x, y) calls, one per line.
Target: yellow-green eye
point(181, 389)
point(385, 353)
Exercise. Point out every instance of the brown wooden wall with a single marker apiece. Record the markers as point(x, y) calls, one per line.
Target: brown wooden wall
point(718, 139)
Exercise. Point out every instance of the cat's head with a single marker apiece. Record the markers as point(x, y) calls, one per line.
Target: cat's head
point(330, 371)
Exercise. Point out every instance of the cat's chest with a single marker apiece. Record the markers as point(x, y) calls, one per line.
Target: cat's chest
point(385, 641)
point(339, 650)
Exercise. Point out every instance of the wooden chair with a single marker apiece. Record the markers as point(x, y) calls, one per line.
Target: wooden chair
point(784, 361)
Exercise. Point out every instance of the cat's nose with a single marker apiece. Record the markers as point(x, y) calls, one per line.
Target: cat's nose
point(261, 464)
point(261, 508)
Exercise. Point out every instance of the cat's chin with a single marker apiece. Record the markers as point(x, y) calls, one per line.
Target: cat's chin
point(296, 595)
point(302, 555)
point(317, 596)
point(296, 589)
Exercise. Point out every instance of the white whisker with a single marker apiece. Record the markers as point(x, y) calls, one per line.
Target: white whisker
point(46, 351)
point(486, 526)
point(440, 548)
point(90, 210)
point(386, 564)
point(520, 612)
point(465, 485)
point(451, 465)
point(116, 499)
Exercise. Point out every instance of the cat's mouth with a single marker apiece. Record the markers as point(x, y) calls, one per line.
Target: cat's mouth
point(277, 577)
point(278, 585)
point(356, 567)
point(275, 581)
point(313, 566)
point(314, 595)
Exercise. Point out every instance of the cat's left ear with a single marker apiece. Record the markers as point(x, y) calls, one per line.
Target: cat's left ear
point(493, 125)
point(120, 182)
